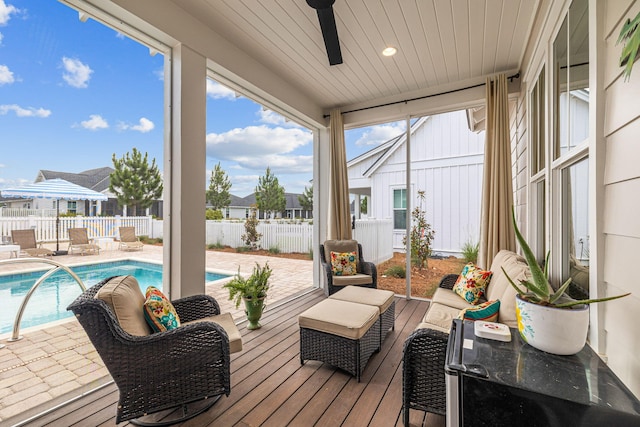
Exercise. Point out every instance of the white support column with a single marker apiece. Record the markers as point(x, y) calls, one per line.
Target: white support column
point(185, 151)
point(408, 212)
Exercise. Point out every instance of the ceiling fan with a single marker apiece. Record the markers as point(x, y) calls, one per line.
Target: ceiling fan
point(324, 8)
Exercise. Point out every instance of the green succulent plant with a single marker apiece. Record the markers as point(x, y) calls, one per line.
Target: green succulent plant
point(538, 289)
point(253, 287)
point(630, 35)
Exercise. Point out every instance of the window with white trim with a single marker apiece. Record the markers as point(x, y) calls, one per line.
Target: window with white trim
point(400, 209)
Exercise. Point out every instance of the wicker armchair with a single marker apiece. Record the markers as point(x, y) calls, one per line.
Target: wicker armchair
point(161, 370)
point(367, 274)
point(423, 381)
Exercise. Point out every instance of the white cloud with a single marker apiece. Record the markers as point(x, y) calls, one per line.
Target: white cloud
point(256, 147)
point(6, 76)
point(95, 122)
point(278, 163)
point(1, 37)
point(273, 118)
point(144, 125)
point(6, 11)
point(216, 91)
point(76, 73)
point(24, 112)
point(379, 134)
point(2, 165)
point(159, 73)
point(259, 141)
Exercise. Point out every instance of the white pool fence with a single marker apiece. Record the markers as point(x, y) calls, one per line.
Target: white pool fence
point(376, 236)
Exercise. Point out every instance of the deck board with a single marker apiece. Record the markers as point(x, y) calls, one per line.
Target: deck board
point(271, 388)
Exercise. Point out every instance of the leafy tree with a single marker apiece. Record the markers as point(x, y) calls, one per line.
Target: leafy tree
point(218, 194)
point(251, 238)
point(270, 194)
point(213, 214)
point(364, 205)
point(421, 234)
point(135, 182)
point(306, 199)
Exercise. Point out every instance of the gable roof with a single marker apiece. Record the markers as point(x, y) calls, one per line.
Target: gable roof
point(94, 179)
point(383, 151)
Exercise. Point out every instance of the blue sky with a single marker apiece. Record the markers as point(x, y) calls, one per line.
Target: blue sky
point(72, 94)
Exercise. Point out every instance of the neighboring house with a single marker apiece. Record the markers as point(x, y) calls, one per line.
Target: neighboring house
point(240, 207)
point(446, 163)
point(93, 179)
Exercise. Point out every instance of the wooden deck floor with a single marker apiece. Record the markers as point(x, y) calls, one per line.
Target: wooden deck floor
point(269, 386)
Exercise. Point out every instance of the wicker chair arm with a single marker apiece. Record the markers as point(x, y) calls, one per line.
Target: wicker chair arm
point(196, 307)
point(370, 269)
point(423, 371)
point(448, 281)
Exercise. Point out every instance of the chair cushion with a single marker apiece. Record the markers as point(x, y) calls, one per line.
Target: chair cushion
point(226, 321)
point(440, 316)
point(356, 279)
point(343, 263)
point(342, 318)
point(500, 288)
point(447, 297)
point(340, 246)
point(159, 313)
point(487, 311)
point(123, 296)
point(471, 283)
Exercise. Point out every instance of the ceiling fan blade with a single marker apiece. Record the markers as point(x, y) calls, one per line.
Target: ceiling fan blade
point(329, 30)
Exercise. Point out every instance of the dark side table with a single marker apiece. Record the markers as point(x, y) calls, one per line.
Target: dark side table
point(494, 383)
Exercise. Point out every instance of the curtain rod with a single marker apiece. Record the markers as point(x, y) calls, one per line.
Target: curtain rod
point(515, 76)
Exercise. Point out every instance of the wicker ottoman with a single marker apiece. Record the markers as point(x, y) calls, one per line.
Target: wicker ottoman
point(341, 333)
point(383, 300)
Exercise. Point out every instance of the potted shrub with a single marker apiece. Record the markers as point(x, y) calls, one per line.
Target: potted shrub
point(547, 320)
point(253, 291)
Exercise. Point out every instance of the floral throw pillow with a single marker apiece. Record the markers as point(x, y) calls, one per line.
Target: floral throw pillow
point(343, 263)
point(159, 312)
point(487, 311)
point(472, 283)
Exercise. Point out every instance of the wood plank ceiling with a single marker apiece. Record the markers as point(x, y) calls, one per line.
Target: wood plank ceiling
point(442, 44)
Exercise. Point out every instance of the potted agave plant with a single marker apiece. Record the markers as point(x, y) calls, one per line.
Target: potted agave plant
point(547, 320)
point(253, 291)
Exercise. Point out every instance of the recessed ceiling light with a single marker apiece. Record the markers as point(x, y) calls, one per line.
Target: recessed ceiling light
point(389, 51)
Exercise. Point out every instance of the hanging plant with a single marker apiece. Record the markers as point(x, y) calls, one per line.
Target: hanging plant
point(630, 35)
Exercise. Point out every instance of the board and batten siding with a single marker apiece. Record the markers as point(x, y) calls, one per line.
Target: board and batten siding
point(446, 162)
point(620, 223)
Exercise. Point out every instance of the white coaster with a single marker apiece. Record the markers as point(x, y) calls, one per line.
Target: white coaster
point(492, 331)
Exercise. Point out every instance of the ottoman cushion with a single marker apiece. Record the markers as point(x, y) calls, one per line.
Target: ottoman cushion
point(375, 297)
point(341, 318)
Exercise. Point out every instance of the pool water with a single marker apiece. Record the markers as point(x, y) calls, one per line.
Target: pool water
point(49, 302)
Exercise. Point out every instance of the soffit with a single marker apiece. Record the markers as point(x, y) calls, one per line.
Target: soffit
point(441, 43)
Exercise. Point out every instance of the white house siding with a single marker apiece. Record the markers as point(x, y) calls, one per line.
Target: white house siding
point(446, 162)
point(621, 226)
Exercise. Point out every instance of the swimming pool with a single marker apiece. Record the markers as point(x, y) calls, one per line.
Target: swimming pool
point(49, 302)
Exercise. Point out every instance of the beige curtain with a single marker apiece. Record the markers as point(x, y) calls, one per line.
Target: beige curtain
point(496, 229)
point(339, 207)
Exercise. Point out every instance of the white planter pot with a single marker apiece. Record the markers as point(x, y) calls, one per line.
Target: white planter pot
point(561, 331)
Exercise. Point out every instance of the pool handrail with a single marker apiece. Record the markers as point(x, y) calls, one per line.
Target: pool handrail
point(15, 336)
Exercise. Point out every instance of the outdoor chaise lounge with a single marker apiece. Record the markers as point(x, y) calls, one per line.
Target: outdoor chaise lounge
point(128, 239)
point(28, 245)
point(188, 365)
point(366, 274)
point(79, 242)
